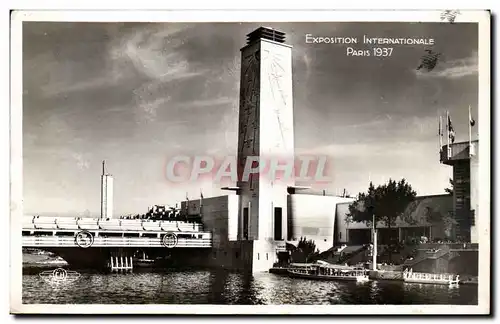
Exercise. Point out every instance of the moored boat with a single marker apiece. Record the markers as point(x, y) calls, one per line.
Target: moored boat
point(144, 261)
point(430, 278)
point(325, 271)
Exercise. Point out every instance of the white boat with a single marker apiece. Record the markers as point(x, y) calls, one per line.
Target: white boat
point(325, 271)
point(430, 278)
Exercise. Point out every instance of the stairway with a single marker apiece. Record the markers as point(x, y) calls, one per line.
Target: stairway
point(425, 254)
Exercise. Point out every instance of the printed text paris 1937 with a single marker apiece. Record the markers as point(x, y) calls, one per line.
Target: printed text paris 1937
point(369, 45)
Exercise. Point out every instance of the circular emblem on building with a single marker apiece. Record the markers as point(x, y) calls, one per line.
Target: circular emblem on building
point(84, 239)
point(170, 240)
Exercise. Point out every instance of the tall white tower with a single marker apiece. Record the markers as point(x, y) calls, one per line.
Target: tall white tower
point(266, 133)
point(106, 194)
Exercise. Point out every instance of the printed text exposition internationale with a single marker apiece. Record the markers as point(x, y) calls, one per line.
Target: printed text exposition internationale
point(311, 39)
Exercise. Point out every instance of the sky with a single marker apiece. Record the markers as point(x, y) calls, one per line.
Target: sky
point(137, 94)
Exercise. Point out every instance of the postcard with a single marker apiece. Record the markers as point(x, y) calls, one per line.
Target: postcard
point(250, 162)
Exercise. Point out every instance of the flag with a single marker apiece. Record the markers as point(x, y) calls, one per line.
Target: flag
point(440, 134)
point(201, 202)
point(471, 120)
point(451, 130)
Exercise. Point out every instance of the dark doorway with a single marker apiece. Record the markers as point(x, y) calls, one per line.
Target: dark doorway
point(278, 231)
point(245, 223)
point(360, 236)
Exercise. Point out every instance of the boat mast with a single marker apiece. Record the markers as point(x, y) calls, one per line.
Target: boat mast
point(374, 244)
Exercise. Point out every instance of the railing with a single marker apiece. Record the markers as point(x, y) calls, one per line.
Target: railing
point(67, 223)
point(457, 151)
point(58, 241)
point(121, 263)
point(464, 246)
point(428, 253)
point(430, 276)
point(437, 253)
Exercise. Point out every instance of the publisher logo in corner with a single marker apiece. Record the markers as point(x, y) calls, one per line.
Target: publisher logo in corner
point(59, 276)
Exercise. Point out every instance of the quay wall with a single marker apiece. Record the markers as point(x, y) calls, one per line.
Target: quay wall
point(219, 217)
point(461, 263)
point(386, 275)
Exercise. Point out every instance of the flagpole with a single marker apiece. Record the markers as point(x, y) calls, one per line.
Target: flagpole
point(440, 133)
point(187, 204)
point(201, 202)
point(374, 251)
point(448, 134)
point(470, 133)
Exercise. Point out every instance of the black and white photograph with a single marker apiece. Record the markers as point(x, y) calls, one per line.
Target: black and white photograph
point(281, 160)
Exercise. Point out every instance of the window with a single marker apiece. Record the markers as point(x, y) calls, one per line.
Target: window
point(258, 256)
point(278, 234)
point(473, 217)
point(237, 255)
point(340, 235)
point(267, 258)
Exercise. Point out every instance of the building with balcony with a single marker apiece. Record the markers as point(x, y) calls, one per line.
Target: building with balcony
point(464, 159)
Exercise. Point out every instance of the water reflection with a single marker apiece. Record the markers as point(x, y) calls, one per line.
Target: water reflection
point(223, 287)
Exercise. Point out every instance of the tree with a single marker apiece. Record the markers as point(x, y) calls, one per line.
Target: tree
point(305, 251)
point(450, 190)
point(384, 204)
point(447, 221)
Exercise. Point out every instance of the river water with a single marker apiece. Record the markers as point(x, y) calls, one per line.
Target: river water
point(221, 287)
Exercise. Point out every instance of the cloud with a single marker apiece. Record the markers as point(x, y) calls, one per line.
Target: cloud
point(207, 102)
point(148, 108)
point(389, 127)
point(453, 69)
point(156, 53)
point(386, 150)
point(150, 51)
point(55, 76)
point(65, 88)
point(82, 162)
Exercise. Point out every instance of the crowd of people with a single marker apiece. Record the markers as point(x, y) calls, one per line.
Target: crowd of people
point(162, 213)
